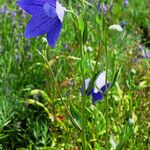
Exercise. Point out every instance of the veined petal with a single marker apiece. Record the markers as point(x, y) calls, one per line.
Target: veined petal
point(34, 6)
point(100, 81)
point(54, 32)
point(38, 25)
point(60, 11)
point(87, 81)
point(49, 10)
point(96, 97)
point(103, 89)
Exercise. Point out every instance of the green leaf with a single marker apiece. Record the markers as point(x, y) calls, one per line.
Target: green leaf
point(85, 32)
point(91, 84)
point(38, 104)
point(81, 24)
point(40, 92)
point(115, 77)
point(2, 136)
point(76, 114)
point(126, 136)
point(97, 19)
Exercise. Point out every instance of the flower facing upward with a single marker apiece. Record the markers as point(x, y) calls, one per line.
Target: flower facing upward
point(98, 85)
point(47, 17)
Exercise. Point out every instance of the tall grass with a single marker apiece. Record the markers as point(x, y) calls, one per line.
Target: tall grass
point(41, 105)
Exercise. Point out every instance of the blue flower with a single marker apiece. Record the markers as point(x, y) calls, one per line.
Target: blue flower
point(98, 85)
point(126, 3)
point(123, 24)
point(47, 17)
point(101, 8)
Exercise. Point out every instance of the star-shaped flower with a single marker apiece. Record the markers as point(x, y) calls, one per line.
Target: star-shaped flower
point(98, 85)
point(47, 17)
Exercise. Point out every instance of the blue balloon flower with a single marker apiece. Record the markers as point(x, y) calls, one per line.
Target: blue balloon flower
point(47, 18)
point(99, 85)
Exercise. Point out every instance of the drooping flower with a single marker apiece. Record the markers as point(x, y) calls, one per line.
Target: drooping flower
point(47, 18)
point(99, 85)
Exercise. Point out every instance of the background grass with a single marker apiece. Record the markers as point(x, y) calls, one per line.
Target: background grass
point(26, 114)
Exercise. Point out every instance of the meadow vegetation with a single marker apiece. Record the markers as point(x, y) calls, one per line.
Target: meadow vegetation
point(41, 87)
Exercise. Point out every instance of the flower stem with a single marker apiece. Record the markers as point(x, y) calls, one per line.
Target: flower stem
point(71, 11)
point(57, 88)
point(83, 98)
point(106, 59)
point(83, 81)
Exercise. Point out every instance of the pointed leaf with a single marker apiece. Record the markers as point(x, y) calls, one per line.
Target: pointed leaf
point(76, 114)
point(115, 77)
point(41, 92)
point(91, 84)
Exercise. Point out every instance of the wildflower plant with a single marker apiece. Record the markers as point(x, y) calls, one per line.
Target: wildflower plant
point(98, 90)
point(47, 18)
point(54, 108)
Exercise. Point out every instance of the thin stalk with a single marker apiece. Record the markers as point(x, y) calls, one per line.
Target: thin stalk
point(99, 48)
point(71, 11)
point(57, 88)
point(106, 98)
point(83, 99)
point(95, 70)
point(96, 116)
point(83, 81)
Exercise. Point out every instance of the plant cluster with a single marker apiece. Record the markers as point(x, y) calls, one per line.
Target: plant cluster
point(74, 74)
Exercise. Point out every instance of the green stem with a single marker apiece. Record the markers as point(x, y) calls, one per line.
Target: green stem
point(71, 11)
point(106, 98)
point(99, 49)
point(83, 98)
point(83, 81)
point(57, 88)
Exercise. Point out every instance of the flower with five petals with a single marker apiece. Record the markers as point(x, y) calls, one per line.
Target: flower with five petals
point(47, 18)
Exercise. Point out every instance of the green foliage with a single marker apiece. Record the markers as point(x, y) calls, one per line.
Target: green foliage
point(32, 115)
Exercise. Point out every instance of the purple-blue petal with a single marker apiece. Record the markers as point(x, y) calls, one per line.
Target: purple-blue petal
point(34, 6)
point(103, 89)
point(87, 81)
point(49, 10)
point(38, 25)
point(54, 32)
point(82, 91)
point(98, 96)
point(88, 94)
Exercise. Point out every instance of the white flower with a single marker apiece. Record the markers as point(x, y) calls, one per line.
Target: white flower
point(131, 121)
point(116, 27)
